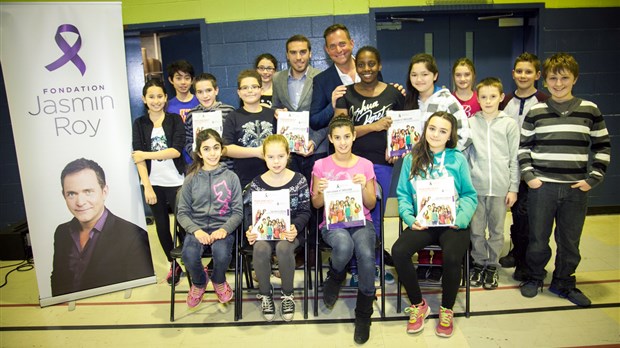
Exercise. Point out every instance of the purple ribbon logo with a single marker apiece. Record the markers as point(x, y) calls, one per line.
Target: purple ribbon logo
point(70, 53)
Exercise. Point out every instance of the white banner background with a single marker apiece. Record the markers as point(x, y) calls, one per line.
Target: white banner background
point(49, 134)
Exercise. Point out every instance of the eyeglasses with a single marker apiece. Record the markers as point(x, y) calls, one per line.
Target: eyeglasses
point(265, 68)
point(249, 88)
point(341, 44)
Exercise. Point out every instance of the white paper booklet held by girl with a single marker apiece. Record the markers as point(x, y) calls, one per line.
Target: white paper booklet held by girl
point(271, 214)
point(343, 205)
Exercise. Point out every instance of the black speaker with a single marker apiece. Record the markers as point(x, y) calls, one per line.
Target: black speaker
point(14, 242)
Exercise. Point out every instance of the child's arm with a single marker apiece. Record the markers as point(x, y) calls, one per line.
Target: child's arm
point(369, 193)
point(301, 215)
point(512, 135)
point(601, 148)
point(405, 192)
point(318, 186)
point(185, 207)
point(236, 151)
point(468, 199)
point(149, 194)
point(527, 140)
point(189, 133)
point(236, 204)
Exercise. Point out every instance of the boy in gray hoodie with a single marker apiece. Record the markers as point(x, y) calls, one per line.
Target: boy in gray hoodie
point(495, 175)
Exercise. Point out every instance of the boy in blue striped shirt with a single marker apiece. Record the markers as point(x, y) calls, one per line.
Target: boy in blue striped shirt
point(557, 140)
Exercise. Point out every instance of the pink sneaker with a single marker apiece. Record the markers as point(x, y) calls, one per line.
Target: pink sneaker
point(445, 325)
point(223, 291)
point(194, 296)
point(417, 314)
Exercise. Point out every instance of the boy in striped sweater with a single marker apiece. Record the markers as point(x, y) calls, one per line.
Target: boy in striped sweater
point(557, 138)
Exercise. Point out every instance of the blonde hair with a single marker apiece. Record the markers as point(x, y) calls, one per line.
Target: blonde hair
point(276, 139)
point(491, 82)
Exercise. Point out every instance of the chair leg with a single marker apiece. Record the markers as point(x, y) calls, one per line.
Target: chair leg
point(172, 290)
point(317, 265)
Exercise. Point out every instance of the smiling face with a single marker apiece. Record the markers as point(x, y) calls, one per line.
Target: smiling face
point(437, 133)
point(249, 91)
point(298, 55)
point(367, 66)
point(422, 79)
point(276, 156)
point(489, 98)
point(210, 152)
point(463, 77)
point(266, 69)
point(206, 93)
point(524, 75)
point(560, 85)
point(84, 196)
point(181, 82)
point(155, 99)
point(342, 138)
point(339, 47)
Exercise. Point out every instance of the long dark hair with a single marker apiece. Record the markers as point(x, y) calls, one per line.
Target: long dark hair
point(202, 136)
point(421, 155)
point(411, 100)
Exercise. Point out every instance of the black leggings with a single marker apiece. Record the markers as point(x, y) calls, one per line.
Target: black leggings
point(166, 198)
point(453, 243)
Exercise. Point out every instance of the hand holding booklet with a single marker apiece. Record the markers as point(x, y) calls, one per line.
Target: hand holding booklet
point(271, 214)
point(343, 205)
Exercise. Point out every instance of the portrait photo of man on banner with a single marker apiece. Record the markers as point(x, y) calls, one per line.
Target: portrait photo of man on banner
point(69, 108)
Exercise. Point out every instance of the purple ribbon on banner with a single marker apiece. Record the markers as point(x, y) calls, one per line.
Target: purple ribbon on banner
point(70, 53)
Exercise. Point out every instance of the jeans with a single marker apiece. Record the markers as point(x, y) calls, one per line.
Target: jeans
point(261, 259)
point(453, 243)
point(490, 213)
point(166, 198)
point(192, 258)
point(567, 207)
point(344, 243)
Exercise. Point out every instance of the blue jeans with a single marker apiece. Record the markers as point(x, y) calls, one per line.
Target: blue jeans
point(192, 258)
point(344, 243)
point(567, 207)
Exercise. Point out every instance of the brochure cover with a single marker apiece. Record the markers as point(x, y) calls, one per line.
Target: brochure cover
point(436, 202)
point(343, 205)
point(404, 132)
point(204, 120)
point(271, 214)
point(295, 127)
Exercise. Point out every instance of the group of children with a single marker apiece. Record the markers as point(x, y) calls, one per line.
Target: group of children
point(531, 157)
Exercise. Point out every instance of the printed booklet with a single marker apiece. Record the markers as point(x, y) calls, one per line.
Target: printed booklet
point(271, 214)
point(295, 127)
point(436, 202)
point(343, 205)
point(404, 132)
point(204, 120)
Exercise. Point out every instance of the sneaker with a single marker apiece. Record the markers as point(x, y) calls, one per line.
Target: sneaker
point(574, 295)
point(223, 291)
point(177, 275)
point(194, 296)
point(417, 314)
point(389, 277)
point(434, 274)
point(507, 261)
point(445, 325)
point(355, 280)
point(475, 277)
point(287, 309)
point(422, 272)
point(491, 278)
point(529, 288)
point(520, 274)
point(267, 306)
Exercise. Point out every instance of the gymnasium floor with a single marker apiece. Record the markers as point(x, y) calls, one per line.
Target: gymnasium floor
point(500, 318)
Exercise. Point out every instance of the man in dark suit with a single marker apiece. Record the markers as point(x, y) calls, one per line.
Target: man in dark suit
point(292, 91)
point(331, 83)
point(95, 248)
